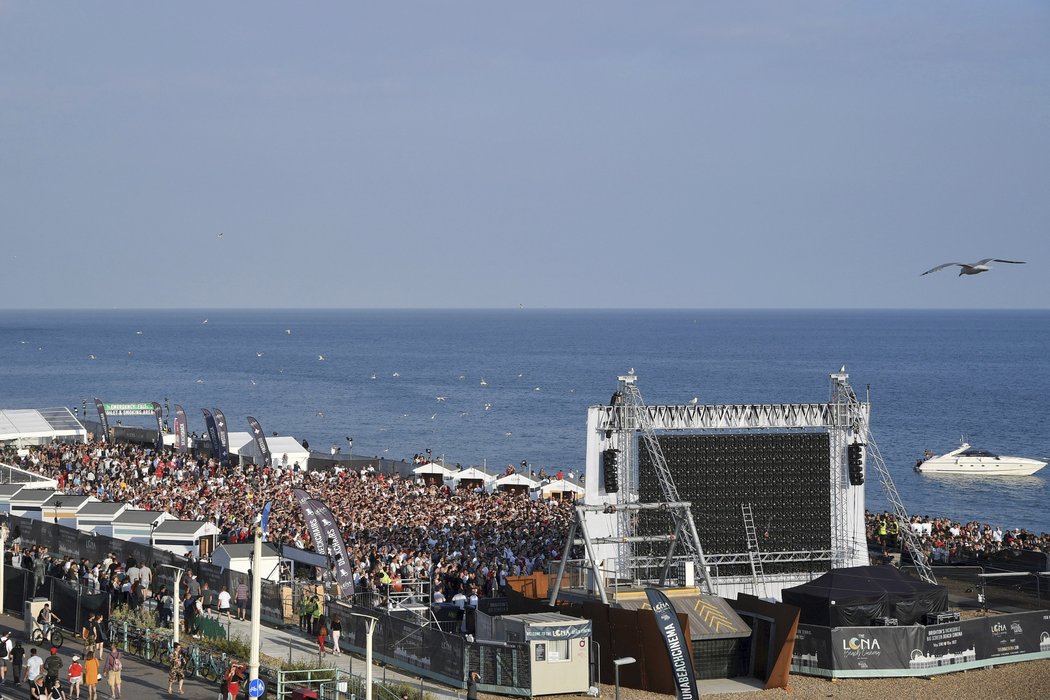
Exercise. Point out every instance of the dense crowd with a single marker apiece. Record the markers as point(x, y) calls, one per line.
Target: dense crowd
point(948, 541)
point(394, 528)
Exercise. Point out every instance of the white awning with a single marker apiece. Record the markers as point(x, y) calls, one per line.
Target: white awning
point(39, 425)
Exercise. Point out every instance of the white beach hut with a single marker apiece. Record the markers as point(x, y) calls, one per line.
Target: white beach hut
point(514, 483)
point(433, 473)
point(561, 489)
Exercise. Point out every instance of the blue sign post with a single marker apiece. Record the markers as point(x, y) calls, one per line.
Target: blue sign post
point(256, 688)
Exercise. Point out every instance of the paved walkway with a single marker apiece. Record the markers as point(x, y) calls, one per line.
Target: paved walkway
point(290, 644)
point(141, 680)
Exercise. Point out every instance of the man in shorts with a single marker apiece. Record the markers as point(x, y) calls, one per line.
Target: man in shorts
point(224, 603)
point(6, 647)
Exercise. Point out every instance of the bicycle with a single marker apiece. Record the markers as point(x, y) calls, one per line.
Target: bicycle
point(53, 636)
point(212, 666)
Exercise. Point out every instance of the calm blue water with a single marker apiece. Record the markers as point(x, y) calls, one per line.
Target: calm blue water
point(934, 375)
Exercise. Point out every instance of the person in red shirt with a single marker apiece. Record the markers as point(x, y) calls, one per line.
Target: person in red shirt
point(75, 676)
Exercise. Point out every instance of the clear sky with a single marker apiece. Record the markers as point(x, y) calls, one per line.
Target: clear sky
point(551, 154)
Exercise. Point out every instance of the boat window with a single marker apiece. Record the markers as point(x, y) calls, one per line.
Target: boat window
point(977, 453)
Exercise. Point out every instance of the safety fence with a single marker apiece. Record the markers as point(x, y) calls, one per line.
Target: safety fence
point(65, 542)
point(398, 639)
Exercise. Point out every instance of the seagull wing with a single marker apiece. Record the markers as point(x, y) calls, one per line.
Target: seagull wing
point(1012, 262)
point(941, 267)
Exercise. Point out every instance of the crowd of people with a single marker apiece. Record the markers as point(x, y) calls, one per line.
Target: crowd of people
point(947, 541)
point(395, 528)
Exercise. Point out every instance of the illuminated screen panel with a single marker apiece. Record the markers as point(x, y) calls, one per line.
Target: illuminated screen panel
point(786, 477)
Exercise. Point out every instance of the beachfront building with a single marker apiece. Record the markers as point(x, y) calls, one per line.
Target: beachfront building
point(97, 517)
point(137, 525)
point(62, 508)
point(184, 536)
point(238, 557)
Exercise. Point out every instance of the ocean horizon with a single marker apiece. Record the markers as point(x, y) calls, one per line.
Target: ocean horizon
point(492, 387)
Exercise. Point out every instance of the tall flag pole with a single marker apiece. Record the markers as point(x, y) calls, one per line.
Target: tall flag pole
point(327, 539)
point(182, 442)
point(260, 441)
point(103, 418)
point(678, 645)
point(224, 435)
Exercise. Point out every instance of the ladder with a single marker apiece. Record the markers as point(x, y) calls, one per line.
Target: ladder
point(758, 576)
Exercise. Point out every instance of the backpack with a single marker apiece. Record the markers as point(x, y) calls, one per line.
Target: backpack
point(3, 648)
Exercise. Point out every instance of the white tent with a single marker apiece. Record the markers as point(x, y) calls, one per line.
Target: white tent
point(284, 451)
point(472, 474)
point(561, 486)
point(434, 468)
point(514, 482)
point(39, 426)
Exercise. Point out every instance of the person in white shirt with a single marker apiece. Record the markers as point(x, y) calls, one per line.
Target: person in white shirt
point(33, 665)
point(5, 655)
point(224, 603)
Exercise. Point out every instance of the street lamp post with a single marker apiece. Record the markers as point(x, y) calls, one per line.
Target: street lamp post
point(370, 627)
point(3, 550)
point(175, 602)
point(617, 663)
point(253, 652)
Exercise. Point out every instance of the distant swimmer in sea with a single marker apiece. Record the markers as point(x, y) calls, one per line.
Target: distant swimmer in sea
point(975, 268)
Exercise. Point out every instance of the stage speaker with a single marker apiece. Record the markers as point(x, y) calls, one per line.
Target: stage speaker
point(855, 459)
point(611, 470)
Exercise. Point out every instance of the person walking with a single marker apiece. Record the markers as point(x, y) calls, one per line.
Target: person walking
point(6, 647)
point(33, 666)
point(224, 604)
point(472, 686)
point(177, 670)
point(52, 667)
point(112, 668)
point(241, 596)
point(337, 630)
point(75, 676)
point(91, 676)
point(18, 656)
point(322, 632)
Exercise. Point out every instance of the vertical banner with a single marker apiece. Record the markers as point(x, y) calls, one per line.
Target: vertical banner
point(264, 521)
point(158, 412)
point(182, 441)
point(103, 418)
point(260, 440)
point(327, 539)
point(224, 435)
point(213, 433)
point(679, 648)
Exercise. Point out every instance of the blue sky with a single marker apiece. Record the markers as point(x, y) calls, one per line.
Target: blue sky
point(587, 154)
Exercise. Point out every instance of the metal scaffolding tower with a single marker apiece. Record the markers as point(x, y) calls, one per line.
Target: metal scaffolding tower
point(634, 416)
point(849, 408)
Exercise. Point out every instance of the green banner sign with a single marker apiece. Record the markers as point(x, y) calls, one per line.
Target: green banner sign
point(128, 409)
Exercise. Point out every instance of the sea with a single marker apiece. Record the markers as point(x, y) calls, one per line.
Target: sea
point(495, 387)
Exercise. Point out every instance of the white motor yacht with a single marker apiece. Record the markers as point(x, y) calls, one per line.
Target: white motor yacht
point(968, 460)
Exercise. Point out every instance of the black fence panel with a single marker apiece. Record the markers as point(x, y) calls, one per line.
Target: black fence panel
point(17, 582)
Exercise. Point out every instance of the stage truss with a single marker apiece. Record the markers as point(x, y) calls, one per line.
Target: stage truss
point(622, 426)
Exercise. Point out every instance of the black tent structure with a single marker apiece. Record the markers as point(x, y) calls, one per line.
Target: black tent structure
point(855, 596)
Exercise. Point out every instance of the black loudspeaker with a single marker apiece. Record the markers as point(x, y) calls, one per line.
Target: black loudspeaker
point(855, 459)
point(611, 470)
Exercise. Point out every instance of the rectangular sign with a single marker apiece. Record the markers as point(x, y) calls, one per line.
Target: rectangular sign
point(920, 650)
point(129, 409)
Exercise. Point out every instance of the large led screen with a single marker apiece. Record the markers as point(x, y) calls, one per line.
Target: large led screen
point(785, 477)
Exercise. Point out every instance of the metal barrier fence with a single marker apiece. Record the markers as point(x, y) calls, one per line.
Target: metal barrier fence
point(69, 602)
point(425, 650)
point(69, 542)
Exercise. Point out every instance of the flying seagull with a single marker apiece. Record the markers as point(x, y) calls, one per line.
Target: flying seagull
point(973, 268)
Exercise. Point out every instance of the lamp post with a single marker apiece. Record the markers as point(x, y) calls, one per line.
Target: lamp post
point(617, 663)
point(3, 561)
point(370, 627)
point(176, 603)
point(253, 652)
